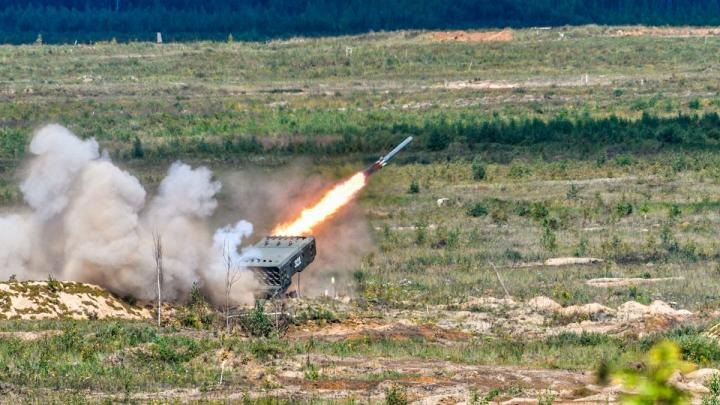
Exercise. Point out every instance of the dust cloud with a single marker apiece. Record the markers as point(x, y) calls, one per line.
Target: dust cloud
point(87, 220)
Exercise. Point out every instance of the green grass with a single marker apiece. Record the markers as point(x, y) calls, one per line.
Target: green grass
point(265, 94)
point(111, 357)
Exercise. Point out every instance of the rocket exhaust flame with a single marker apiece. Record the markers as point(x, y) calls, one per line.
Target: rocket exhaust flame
point(331, 202)
point(335, 199)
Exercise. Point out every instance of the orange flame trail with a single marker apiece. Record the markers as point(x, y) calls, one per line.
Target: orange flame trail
point(332, 201)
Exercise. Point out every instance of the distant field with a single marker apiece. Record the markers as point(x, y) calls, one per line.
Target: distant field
point(203, 98)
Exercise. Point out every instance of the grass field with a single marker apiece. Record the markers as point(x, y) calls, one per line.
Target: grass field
point(646, 203)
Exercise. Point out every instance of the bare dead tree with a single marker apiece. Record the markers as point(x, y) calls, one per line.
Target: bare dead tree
point(158, 255)
point(232, 275)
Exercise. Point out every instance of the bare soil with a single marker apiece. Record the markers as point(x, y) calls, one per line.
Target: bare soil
point(505, 35)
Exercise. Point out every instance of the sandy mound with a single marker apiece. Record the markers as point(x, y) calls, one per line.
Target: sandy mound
point(624, 282)
point(464, 36)
point(544, 304)
point(592, 311)
point(567, 261)
point(665, 32)
point(57, 299)
point(632, 310)
point(563, 261)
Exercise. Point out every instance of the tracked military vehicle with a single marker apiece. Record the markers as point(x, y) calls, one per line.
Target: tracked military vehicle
point(277, 259)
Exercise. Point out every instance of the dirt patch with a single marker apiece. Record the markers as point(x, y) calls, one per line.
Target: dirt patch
point(505, 35)
point(624, 282)
point(29, 335)
point(665, 32)
point(398, 331)
point(431, 333)
point(540, 82)
point(331, 385)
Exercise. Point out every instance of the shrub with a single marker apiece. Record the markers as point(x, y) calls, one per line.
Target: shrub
point(70, 340)
point(623, 209)
point(196, 297)
point(674, 211)
point(538, 211)
point(698, 348)
point(396, 395)
point(623, 160)
point(667, 239)
point(548, 240)
point(311, 372)
point(197, 317)
point(256, 322)
point(714, 386)
point(477, 210)
point(316, 314)
point(499, 216)
point(694, 104)
point(546, 398)
point(512, 255)
point(52, 284)
point(264, 349)
point(414, 187)
point(130, 299)
point(478, 170)
point(138, 152)
point(197, 313)
point(420, 233)
point(581, 248)
point(172, 349)
point(437, 140)
point(125, 334)
point(572, 193)
point(518, 171)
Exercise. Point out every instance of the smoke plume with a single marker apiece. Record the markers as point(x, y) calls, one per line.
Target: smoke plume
point(88, 221)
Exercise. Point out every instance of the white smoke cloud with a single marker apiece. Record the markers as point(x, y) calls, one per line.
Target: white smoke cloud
point(60, 155)
point(88, 222)
point(232, 235)
point(16, 237)
point(186, 192)
point(225, 241)
point(103, 238)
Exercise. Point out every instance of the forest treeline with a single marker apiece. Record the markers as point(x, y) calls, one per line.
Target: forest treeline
point(438, 136)
point(22, 21)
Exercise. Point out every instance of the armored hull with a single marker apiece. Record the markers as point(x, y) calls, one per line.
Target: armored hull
point(276, 259)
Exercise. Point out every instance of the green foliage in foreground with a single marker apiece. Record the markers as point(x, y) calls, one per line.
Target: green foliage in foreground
point(652, 385)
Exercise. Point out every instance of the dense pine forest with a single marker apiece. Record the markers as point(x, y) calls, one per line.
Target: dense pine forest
point(62, 21)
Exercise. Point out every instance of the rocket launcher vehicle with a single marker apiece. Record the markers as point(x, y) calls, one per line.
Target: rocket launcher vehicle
point(278, 258)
